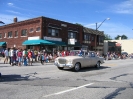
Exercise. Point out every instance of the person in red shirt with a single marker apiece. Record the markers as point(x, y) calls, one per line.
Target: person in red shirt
point(62, 53)
point(67, 53)
point(29, 57)
point(19, 54)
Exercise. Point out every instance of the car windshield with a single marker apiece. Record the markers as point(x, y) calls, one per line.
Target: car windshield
point(82, 53)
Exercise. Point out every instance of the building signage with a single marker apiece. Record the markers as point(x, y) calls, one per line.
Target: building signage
point(52, 38)
point(71, 41)
point(34, 38)
point(64, 25)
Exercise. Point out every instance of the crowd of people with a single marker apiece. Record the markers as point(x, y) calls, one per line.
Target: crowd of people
point(114, 55)
point(25, 57)
point(17, 56)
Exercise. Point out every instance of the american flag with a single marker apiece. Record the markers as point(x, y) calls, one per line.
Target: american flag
point(2, 22)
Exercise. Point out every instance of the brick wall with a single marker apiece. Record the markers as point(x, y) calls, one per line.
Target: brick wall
point(43, 23)
point(18, 26)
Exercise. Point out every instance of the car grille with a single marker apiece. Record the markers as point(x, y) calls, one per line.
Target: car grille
point(62, 61)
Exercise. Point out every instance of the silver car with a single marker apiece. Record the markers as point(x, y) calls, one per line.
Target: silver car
point(88, 59)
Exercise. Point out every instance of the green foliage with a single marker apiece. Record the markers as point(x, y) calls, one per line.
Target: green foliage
point(107, 37)
point(122, 37)
point(78, 24)
point(117, 37)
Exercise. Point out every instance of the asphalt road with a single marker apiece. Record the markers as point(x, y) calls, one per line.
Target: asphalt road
point(114, 80)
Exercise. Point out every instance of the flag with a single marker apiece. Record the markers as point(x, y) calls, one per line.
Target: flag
point(2, 22)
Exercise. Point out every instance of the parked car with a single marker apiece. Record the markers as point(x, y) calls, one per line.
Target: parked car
point(124, 53)
point(88, 59)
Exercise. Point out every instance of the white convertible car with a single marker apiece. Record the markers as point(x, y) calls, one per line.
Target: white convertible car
point(88, 59)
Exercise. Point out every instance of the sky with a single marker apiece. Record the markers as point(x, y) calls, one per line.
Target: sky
point(84, 12)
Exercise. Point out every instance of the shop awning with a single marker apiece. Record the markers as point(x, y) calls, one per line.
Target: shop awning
point(2, 43)
point(58, 43)
point(37, 42)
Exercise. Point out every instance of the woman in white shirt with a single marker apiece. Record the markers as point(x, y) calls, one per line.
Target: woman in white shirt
point(6, 56)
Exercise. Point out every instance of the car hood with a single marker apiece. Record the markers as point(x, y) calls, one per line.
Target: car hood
point(70, 57)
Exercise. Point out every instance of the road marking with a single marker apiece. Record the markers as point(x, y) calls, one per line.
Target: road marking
point(65, 91)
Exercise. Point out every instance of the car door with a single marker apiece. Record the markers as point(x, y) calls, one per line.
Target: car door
point(87, 60)
point(93, 58)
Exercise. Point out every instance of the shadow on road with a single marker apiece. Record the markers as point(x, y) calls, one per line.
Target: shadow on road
point(92, 68)
point(4, 66)
point(86, 69)
point(6, 78)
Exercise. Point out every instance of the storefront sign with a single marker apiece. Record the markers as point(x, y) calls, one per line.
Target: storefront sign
point(64, 25)
point(71, 41)
point(34, 38)
point(52, 38)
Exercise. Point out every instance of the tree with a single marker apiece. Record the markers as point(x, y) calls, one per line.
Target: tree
point(117, 37)
point(107, 37)
point(79, 24)
point(122, 37)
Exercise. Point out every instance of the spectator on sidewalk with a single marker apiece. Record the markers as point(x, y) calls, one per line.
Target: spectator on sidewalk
point(42, 58)
point(6, 54)
point(29, 57)
point(19, 54)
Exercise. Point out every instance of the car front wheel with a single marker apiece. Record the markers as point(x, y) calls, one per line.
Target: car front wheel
point(77, 67)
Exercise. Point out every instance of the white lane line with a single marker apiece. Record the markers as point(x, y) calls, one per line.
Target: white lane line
point(68, 90)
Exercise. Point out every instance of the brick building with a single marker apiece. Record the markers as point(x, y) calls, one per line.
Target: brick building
point(50, 34)
point(94, 40)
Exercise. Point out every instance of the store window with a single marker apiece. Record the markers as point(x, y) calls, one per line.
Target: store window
point(53, 32)
point(10, 34)
point(24, 32)
point(16, 33)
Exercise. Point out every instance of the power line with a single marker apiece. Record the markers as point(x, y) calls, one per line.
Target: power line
point(6, 18)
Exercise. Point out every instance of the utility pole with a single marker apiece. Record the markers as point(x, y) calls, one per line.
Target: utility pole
point(97, 30)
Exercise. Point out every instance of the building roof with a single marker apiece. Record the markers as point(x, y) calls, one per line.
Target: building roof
point(92, 31)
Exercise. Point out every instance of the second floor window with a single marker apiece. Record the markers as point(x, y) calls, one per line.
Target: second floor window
point(92, 38)
point(101, 39)
point(53, 32)
point(86, 37)
point(0, 35)
point(31, 30)
point(24, 32)
point(71, 35)
point(10, 34)
point(16, 33)
point(38, 29)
